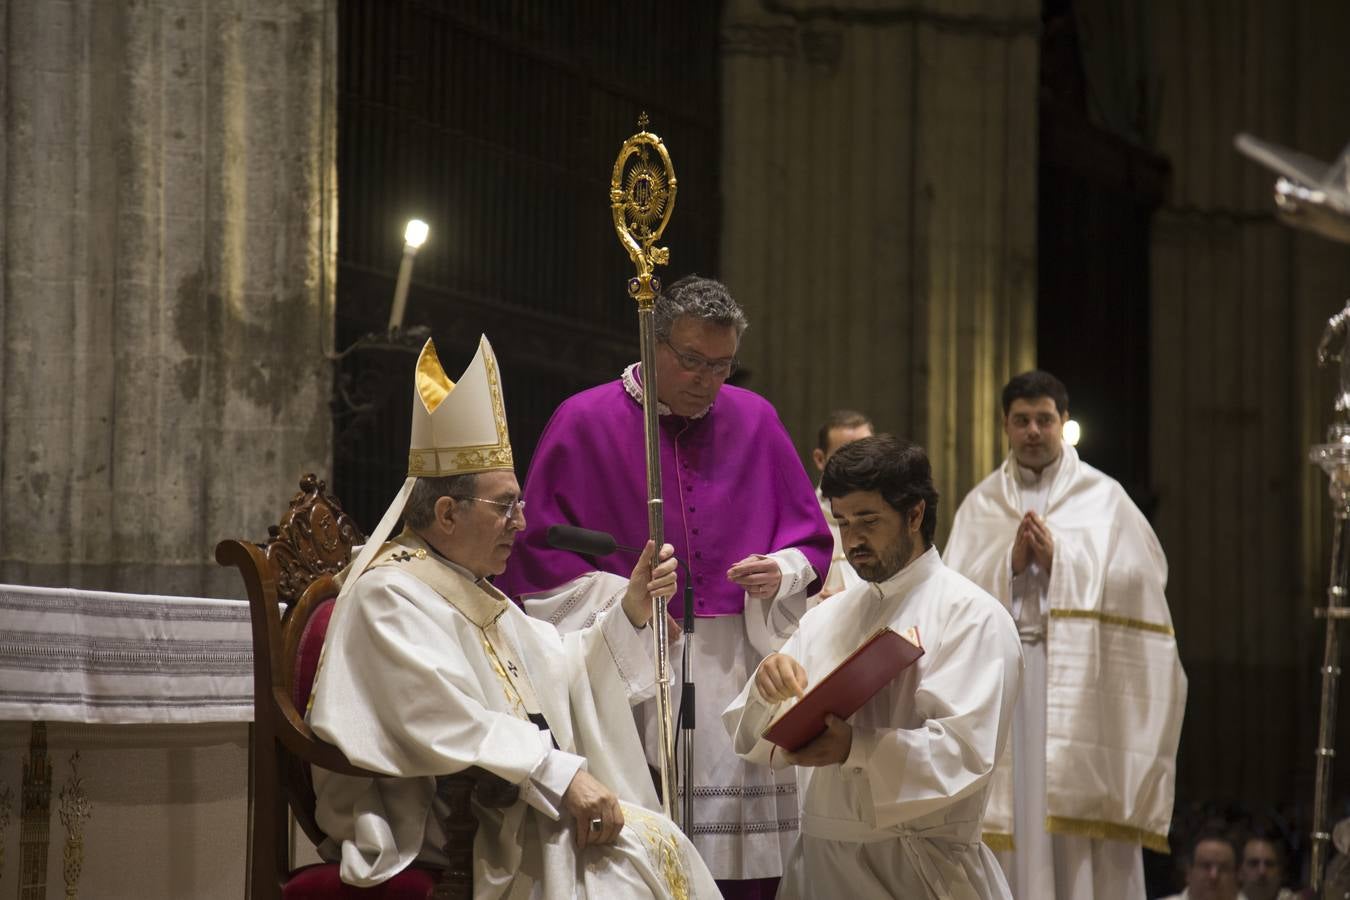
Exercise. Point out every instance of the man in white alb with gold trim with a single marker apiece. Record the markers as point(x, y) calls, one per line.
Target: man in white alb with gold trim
point(428, 670)
point(1091, 769)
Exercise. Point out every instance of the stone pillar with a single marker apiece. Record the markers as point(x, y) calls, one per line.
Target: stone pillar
point(169, 215)
point(880, 219)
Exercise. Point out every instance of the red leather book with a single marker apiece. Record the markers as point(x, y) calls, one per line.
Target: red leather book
point(849, 685)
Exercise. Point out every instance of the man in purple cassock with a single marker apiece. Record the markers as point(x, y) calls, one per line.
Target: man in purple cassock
point(739, 509)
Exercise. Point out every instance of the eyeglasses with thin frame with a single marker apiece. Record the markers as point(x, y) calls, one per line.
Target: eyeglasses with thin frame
point(515, 506)
point(693, 362)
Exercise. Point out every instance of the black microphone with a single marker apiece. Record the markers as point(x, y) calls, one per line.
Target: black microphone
point(584, 540)
point(602, 543)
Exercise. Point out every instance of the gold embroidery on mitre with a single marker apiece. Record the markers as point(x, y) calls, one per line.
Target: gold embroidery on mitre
point(662, 850)
point(433, 386)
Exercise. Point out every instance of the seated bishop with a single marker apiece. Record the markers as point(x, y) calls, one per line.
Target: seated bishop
point(428, 670)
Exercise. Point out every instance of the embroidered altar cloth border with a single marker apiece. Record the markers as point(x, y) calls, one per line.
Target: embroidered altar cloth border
point(71, 655)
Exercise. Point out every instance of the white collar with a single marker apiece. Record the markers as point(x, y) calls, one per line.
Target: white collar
point(634, 389)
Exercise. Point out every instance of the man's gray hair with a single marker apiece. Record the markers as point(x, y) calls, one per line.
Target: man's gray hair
point(706, 299)
point(420, 510)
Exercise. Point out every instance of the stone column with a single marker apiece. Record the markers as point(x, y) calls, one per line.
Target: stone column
point(168, 223)
point(880, 218)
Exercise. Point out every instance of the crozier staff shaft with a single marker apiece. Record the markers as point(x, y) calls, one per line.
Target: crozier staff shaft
point(642, 196)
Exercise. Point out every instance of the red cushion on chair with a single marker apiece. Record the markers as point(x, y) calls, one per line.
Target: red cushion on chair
point(321, 882)
point(307, 652)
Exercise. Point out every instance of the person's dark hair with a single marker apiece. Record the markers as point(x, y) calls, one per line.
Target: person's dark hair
point(895, 468)
point(698, 298)
point(840, 418)
point(1034, 385)
point(420, 510)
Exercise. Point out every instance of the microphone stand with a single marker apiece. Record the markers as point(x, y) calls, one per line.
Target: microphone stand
point(687, 718)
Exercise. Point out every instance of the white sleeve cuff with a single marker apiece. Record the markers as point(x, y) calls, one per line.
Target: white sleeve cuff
point(550, 779)
point(859, 753)
point(769, 623)
point(796, 571)
point(632, 650)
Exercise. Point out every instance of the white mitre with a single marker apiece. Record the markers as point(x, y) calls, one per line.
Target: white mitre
point(457, 429)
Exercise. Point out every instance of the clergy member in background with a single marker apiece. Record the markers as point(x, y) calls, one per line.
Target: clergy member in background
point(892, 800)
point(739, 510)
point(428, 670)
point(840, 427)
point(1092, 768)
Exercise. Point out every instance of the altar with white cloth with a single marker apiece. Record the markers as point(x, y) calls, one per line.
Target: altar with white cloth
point(123, 744)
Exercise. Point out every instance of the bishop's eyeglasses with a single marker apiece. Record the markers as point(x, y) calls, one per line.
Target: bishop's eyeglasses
point(515, 506)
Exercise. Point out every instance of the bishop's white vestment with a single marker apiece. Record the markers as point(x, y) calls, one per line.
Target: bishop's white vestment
point(427, 672)
point(901, 817)
point(1092, 766)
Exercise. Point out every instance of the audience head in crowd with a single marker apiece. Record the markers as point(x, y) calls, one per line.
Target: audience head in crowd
point(1261, 874)
point(1211, 870)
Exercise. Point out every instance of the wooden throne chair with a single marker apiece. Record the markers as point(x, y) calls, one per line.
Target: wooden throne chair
point(295, 567)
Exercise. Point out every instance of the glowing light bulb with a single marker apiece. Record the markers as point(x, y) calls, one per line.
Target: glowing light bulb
point(1072, 432)
point(416, 233)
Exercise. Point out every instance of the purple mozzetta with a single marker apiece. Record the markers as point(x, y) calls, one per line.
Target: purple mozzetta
point(732, 484)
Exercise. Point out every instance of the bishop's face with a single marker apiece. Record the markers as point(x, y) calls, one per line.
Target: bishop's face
point(1035, 430)
point(478, 534)
point(878, 539)
point(693, 363)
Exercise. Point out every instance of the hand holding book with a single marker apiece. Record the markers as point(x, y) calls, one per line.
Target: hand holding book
point(781, 679)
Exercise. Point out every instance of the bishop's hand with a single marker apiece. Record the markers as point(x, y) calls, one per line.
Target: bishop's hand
point(648, 581)
point(595, 810)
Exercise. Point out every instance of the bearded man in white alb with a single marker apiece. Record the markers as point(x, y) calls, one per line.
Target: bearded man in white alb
point(892, 800)
point(428, 670)
point(1092, 767)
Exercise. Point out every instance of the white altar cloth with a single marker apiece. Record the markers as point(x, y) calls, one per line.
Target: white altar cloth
point(97, 657)
point(146, 703)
